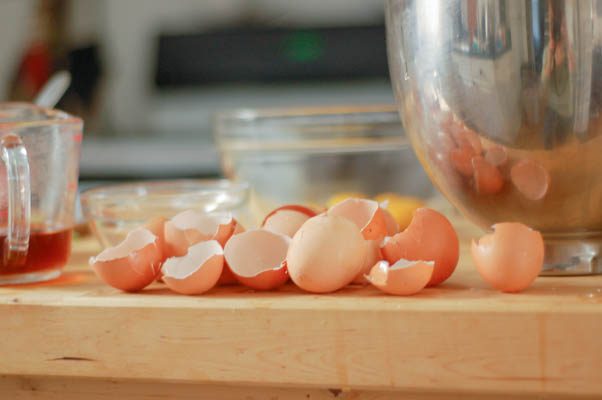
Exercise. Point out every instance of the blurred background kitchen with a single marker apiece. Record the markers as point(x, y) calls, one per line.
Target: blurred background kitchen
point(147, 75)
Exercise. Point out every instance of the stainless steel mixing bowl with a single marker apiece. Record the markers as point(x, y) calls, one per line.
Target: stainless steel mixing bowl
point(501, 100)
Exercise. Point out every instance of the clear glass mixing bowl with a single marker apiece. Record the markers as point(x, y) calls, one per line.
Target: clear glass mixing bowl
point(307, 155)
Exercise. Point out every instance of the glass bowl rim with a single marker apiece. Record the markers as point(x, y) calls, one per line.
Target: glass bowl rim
point(140, 189)
point(55, 116)
point(254, 114)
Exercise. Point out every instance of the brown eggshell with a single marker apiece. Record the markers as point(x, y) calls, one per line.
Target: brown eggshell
point(326, 254)
point(285, 222)
point(227, 277)
point(373, 255)
point(157, 226)
point(291, 207)
point(467, 135)
point(404, 278)
point(257, 258)
point(531, 179)
point(366, 214)
point(197, 271)
point(461, 159)
point(238, 228)
point(131, 265)
point(390, 223)
point(487, 178)
point(429, 237)
point(191, 227)
point(496, 156)
point(510, 258)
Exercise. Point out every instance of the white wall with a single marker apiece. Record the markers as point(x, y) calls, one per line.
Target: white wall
point(15, 20)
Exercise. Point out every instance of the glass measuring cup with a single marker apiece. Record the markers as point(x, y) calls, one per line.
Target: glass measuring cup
point(40, 151)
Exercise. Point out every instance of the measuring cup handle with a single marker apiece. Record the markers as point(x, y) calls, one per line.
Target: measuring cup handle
point(14, 156)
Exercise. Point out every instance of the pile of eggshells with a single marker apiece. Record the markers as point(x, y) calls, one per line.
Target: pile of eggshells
point(354, 241)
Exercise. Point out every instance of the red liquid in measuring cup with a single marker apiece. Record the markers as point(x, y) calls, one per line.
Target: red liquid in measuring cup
point(47, 250)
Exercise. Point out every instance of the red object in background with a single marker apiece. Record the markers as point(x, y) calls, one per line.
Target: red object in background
point(35, 69)
point(47, 250)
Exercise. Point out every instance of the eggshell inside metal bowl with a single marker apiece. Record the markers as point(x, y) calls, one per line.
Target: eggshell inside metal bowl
point(114, 210)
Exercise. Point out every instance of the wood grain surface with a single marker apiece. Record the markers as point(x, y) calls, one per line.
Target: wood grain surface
point(460, 338)
point(52, 388)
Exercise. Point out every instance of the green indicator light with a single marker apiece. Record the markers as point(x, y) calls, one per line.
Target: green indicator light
point(303, 46)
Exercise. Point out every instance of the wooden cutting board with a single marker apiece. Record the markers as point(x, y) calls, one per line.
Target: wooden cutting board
point(457, 339)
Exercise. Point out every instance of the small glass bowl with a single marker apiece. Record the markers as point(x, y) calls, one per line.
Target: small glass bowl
point(114, 210)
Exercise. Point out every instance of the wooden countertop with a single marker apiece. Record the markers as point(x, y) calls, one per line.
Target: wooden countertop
point(458, 338)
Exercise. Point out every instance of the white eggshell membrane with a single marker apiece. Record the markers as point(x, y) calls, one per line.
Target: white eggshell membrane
point(404, 278)
point(326, 254)
point(365, 214)
point(257, 258)
point(285, 222)
point(135, 240)
point(190, 227)
point(197, 271)
point(131, 265)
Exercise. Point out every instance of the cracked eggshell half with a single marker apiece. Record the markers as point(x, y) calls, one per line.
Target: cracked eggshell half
point(404, 278)
point(287, 220)
point(365, 214)
point(190, 227)
point(257, 258)
point(227, 277)
point(131, 265)
point(429, 237)
point(510, 258)
point(197, 271)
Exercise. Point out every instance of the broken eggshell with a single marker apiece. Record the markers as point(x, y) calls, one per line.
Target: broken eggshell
point(510, 258)
point(391, 225)
point(157, 227)
point(496, 156)
point(131, 265)
point(326, 254)
point(291, 207)
point(191, 227)
point(429, 237)
point(365, 214)
point(257, 258)
point(404, 278)
point(227, 277)
point(373, 255)
point(487, 178)
point(461, 159)
point(531, 179)
point(287, 220)
point(197, 271)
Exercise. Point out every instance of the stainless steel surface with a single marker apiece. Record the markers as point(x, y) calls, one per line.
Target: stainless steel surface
point(520, 80)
